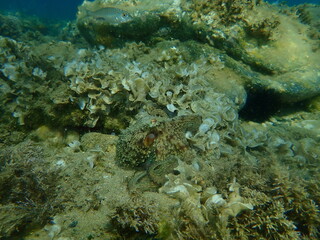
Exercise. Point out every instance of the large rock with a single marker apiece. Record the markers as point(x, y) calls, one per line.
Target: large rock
point(271, 50)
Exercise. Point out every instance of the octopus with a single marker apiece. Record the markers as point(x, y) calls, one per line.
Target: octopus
point(152, 141)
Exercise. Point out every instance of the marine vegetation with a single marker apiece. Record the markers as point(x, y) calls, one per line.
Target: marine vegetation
point(161, 120)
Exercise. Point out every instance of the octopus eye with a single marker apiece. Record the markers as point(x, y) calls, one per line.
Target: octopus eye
point(149, 139)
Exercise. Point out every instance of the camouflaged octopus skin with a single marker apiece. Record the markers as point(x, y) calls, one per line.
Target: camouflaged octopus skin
point(156, 139)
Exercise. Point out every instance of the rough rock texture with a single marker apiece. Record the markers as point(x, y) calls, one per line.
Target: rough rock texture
point(147, 138)
point(269, 43)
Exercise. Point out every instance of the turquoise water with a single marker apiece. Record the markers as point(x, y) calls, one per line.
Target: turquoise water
point(62, 9)
point(44, 9)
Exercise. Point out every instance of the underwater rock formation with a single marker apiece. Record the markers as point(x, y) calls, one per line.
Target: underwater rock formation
point(147, 18)
point(310, 14)
point(137, 135)
point(278, 58)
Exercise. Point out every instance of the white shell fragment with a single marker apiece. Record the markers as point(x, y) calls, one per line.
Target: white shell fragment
point(216, 200)
point(171, 107)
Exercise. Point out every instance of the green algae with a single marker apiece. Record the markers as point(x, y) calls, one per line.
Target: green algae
point(184, 166)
